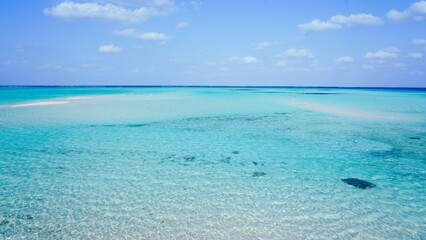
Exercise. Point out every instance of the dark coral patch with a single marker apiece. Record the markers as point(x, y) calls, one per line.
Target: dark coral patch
point(415, 138)
point(189, 158)
point(137, 125)
point(258, 174)
point(3, 222)
point(362, 184)
point(226, 159)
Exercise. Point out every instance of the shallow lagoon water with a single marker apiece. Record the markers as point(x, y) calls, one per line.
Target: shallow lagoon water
point(212, 163)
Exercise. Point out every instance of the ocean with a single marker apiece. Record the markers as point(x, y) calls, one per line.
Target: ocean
point(212, 163)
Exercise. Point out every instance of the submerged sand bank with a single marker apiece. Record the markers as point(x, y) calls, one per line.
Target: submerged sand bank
point(346, 112)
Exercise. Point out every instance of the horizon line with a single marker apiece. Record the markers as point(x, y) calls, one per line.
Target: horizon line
point(215, 86)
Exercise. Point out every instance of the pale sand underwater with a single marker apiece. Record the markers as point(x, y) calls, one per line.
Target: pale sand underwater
point(349, 112)
point(212, 163)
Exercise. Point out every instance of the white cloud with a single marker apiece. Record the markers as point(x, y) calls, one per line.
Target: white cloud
point(340, 21)
point(242, 60)
point(249, 60)
point(107, 11)
point(415, 55)
point(396, 15)
point(282, 63)
point(382, 54)
point(345, 59)
point(317, 25)
point(296, 60)
point(133, 33)
point(355, 19)
point(235, 60)
point(297, 53)
point(162, 3)
point(415, 11)
point(418, 41)
point(181, 25)
point(262, 45)
point(109, 48)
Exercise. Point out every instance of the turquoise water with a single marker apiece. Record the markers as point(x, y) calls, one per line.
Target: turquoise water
point(212, 163)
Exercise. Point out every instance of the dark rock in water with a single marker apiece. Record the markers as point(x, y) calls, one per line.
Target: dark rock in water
point(189, 159)
point(226, 159)
point(108, 125)
point(269, 92)
point(244, 89)
point(3, 222)
point(358, 183)
point(258, 174)
point(137, 125)
point(415, 138)
point(24, 216)
point(255, 163)
point(235, 152)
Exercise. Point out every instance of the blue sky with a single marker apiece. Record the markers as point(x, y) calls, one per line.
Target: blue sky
point(259, 42)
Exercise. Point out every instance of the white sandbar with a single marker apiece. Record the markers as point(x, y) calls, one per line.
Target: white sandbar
point(43, 103)
point(348, 112)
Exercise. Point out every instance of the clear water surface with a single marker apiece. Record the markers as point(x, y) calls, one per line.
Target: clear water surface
point(212, 163)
